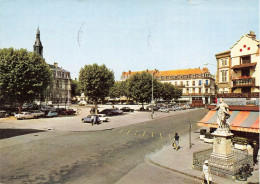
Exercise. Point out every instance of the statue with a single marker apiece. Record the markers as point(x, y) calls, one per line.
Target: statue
point(223, 115)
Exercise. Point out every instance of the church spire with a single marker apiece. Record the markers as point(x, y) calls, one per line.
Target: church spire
point(37, 47)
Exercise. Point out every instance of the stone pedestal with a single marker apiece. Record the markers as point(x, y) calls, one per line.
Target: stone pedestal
point(222, 158)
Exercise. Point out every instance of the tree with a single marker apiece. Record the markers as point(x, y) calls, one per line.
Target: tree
point(168, 92)
point(24, 75)
point(95, 81)
point(139, 87)
point(75, 90)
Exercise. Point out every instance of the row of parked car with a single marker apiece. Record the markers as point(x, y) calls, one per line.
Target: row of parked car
point(161, 108)
point(45, 111)
point(112, 111)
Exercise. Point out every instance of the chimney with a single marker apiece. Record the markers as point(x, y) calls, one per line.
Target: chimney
point(252, 35)
point(55, 64)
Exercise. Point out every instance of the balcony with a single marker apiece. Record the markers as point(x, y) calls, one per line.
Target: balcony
point(243, 82)
point(242, 66)
point(207, 85)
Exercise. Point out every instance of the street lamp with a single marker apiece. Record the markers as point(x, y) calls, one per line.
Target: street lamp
point(153, 72)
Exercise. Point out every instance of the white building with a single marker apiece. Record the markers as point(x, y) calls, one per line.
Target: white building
point(198, 85)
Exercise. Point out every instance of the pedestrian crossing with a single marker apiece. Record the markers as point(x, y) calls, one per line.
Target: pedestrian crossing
point(144, 133)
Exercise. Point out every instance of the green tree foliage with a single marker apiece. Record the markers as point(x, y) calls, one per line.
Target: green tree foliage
point(116, 90)
point(24, 75)
point(168, 92)
point(95, 81)
point(75, 89)
point(139, 87)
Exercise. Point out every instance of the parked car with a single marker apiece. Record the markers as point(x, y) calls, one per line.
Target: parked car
point(172, 108)
point(163, 109)
point(90, 119)
point(116, 111)
point(52, 114)
point(103, 117)
point(59, 109)
point(107, 112)
point(127, 109)
point(68, 112)
point(87, 119)
point(3, 114)
point(37, 113)
point(25, 115)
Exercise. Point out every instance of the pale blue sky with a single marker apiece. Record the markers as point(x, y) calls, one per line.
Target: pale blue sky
point(128, 35)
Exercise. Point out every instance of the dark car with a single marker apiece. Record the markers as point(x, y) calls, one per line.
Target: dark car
point(116, 111)
point(127, 109)
point(59, 110)
point(68, 112)
point(107, 112)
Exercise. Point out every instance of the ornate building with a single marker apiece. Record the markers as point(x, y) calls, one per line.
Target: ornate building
point(60, 89)
point(198, 85)
point(238, 71)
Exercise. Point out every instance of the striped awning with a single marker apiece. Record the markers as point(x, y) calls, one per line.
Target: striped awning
point(245, 121)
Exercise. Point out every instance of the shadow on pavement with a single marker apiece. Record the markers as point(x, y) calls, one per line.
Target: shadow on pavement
point(7, 133)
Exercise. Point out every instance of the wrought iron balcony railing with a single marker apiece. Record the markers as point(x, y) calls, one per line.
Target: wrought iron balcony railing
point(244, 82)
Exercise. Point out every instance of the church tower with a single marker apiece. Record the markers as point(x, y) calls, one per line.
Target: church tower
point(37, 47)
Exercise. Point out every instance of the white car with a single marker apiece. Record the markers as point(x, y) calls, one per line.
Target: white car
point(103, 117)
point(163, 109)
point(25, 115)
point(37, 113)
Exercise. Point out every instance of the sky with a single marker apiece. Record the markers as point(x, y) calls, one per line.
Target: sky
point(128, 34)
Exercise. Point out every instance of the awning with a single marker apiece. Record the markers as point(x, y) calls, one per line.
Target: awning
point(245, 121)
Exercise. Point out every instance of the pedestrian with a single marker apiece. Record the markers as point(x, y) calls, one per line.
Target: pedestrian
point(176, 141)
point(255, 152)
point(206, 174)
point(249, 148)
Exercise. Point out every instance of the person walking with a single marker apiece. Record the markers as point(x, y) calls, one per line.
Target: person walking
point(206, 174)
point(175, 143)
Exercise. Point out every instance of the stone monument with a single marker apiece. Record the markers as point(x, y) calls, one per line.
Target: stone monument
point(222, 158)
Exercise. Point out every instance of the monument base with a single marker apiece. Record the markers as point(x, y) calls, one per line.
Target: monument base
point(222, 158)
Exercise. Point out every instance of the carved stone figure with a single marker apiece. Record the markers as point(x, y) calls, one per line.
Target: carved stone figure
point(223, 114)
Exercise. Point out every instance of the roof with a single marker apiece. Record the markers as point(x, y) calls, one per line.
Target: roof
point(57, 69)
point(172, 72)
point(246, 121)
point(246, 35)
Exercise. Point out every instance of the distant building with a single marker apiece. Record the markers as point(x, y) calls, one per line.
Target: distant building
point(198, 85)
point(60, 89)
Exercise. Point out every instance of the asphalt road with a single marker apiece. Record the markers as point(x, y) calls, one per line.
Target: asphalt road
point(88, 157)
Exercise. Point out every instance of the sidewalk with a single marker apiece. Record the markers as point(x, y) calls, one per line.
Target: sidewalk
point(171, 159)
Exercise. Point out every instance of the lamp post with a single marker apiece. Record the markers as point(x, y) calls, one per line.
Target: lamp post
point(152, 97)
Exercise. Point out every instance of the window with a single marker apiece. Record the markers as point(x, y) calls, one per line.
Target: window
point(175, 83)
point(224, 62)
point(193, 90)
point(188, 90)
point(207, 82)
point(193, 83)
point(199, 90)
point(245, 59)
point(224, 75)
point(187, 83)
point(181, 83)
point(206, 91)
point(199, 82)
